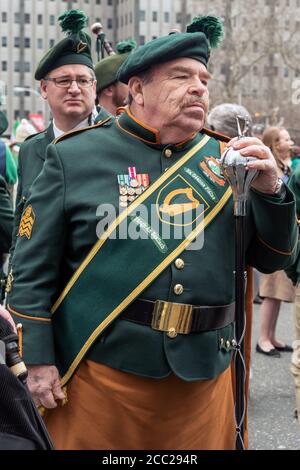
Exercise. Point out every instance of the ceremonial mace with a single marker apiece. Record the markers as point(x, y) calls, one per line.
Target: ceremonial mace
point(234, 168)
point(101, 43)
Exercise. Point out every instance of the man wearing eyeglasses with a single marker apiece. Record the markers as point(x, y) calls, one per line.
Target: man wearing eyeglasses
point(68, 83)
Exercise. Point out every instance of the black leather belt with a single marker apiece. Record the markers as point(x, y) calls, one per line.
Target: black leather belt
point(177, 318)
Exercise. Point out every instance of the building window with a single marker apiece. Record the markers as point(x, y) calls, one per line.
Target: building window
point(154, 16)
point(4, 17)
point(4, 41)
point(109, 23)
point(40, 43)
point(255, 46)
point(98, 2)
point(142, 15)
point(4, 66)
point(27, 42)
point(166, 17)
point(51, 42)
point(17, 41)
point(52, 20)
point(109, 2)
point(142, 40)
point(27, 67)
point(126, 19)
point(17, 66)
point(130, 17)
point(178, 17)
point(40, 19)
point(285, 72)
point(27, 18)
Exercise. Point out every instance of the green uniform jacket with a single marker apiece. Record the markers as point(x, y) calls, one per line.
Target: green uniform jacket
point(30, 163)
point(31, 160)
point(65, 198)
point(6, 218)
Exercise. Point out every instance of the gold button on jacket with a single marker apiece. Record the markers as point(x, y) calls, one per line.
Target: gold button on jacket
point(168, 153)
point(179, 263)
point(178, 289)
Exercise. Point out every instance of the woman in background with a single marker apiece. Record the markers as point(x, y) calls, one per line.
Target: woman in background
point(276, 287)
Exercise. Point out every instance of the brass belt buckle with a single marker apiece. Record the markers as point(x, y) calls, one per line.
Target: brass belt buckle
point(172, 317)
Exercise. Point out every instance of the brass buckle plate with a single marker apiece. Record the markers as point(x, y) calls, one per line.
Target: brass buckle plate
point(172, 317)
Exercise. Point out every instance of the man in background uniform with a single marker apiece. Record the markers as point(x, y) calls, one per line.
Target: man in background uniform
point(140, 327)
point(111, 93)
point(67, 82)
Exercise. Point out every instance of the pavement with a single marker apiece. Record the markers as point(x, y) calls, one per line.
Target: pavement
point(272, 425)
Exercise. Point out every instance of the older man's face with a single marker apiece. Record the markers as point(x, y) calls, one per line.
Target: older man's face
point(177, 95)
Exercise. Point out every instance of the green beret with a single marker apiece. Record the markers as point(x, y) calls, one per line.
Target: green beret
point(74, 49)
point(3, 123)
point(106, 70)
point(202, 34)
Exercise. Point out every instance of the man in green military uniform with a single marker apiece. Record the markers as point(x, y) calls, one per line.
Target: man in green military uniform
point(111, 93)
point(139, 326)
point(67, 82)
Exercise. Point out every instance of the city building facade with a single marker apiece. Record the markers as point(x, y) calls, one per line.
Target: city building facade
point(256, 66)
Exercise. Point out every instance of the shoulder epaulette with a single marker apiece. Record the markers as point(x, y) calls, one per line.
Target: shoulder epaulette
point(216, 135)
point(77, 131)
point(34, 135)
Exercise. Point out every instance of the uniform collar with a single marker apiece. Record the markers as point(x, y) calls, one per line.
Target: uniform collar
point(58, 132)
point(136, 128)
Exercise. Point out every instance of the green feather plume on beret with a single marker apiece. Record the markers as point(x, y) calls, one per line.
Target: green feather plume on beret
point(73, 21)
point(126, 46)
point(211, 26)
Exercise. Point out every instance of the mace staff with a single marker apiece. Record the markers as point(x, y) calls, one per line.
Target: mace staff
point(101, 42)
point(234, 168)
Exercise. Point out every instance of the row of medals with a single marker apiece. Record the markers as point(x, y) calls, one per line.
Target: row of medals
point(130, 193)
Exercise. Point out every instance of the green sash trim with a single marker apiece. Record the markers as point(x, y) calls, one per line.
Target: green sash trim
point(80, 306)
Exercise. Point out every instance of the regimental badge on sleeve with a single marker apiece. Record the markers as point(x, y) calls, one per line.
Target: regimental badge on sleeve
point(26, 224)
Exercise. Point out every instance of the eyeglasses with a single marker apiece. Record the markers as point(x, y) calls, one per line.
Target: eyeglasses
point(65, 82)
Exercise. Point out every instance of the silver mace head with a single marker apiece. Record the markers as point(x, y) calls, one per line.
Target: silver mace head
point(234, 168)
